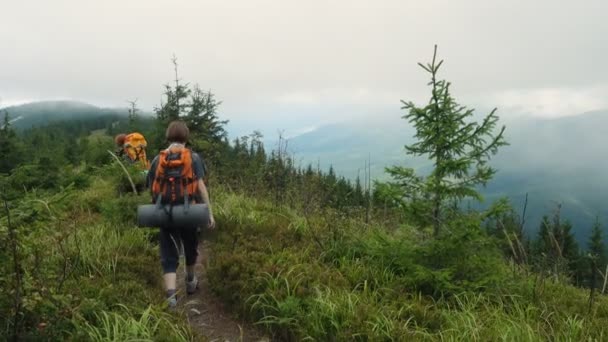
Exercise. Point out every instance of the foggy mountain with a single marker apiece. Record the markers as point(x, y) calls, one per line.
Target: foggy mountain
point(560, 160)
point(41, 113)
point(553, 160)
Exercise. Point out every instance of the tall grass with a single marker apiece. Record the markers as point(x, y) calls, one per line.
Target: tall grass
point(89, 273)
point(327, 277)
point(100, 247)
point(127, 326)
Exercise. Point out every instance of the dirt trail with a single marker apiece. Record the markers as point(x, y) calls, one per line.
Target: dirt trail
point(206, 313)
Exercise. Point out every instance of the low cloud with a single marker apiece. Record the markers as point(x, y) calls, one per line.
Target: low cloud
point(336, 96)
point(292, 133)
point(550, 102)
point(9, 102)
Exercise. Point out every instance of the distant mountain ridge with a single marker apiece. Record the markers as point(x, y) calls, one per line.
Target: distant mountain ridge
point(44, 112)
point(562, 160)
point(553, 160)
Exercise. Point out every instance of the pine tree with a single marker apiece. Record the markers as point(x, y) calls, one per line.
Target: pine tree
point(598, 259)
point(258, 160)
point(173, 107)
point(331, 175)
point(10, 149)
point(206, 129)
point(459, 149)
point(556, 248)
point(568, 242)
point(596, 244)
point(544, 256)
point(309, 171)
point(260, 153)
point(543, 243)
point(133, 110)
point(71, 151)
point(329, 185)
point(358, 193)
point(199, 110)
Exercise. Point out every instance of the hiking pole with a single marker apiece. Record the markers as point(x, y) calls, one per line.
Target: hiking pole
point(125, 170)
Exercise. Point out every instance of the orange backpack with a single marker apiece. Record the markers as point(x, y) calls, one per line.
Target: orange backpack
point(174, 180)
point(135, 148)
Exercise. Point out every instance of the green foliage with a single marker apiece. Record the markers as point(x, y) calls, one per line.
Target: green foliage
point(198, 109)
point(596, 245)
point(133, 116)
point(555, 249)
point(322, 276)
point(151, 325)
point(95, 149)
point(591, 271)
point(125, 181)
point(459, 150)
point(10, 148)
point(175, 105)
point(293, 253)
point(207, 131)
point(76, 266)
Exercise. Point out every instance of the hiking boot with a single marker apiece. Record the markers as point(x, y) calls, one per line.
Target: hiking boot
point(191, 286)
point(172, 303)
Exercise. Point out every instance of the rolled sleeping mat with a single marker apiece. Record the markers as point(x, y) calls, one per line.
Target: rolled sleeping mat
point(150, 215)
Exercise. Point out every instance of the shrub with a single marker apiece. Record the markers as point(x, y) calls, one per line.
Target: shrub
point(327, 277)
point(126, 325)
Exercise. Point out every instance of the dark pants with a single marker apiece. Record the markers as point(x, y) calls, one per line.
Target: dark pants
point(170, 239)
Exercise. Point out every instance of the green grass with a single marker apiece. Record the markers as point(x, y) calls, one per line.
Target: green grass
point(125, 326)
point(88, 273)
point(328, 277)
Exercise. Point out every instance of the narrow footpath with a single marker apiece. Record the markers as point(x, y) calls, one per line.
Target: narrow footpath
point(207, 315)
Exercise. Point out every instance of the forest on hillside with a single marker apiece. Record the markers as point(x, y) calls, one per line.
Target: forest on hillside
point(302, 252)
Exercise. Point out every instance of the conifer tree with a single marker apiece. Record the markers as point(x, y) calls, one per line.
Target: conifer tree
point(543, 243)
point(596, 244)
point(206, 129)
point(330, 187)
point(358, 192)
point(133, 110)
point(198, 109)
point(597, 253)
point(9, 146)
point(568, 243)
point(173, 106)
point(460, 149)
point(258, 159)
point(556, 248)
point(260, 153)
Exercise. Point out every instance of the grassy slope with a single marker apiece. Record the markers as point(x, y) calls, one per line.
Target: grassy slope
point(89, 273)
point(331, 278)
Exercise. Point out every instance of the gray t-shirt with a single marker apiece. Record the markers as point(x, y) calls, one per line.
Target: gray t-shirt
point(197, 167)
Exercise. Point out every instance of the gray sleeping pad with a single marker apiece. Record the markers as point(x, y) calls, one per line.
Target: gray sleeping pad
point(151, 215)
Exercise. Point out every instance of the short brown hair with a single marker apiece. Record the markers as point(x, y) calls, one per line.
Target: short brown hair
point(177, 132)
point(120, 139)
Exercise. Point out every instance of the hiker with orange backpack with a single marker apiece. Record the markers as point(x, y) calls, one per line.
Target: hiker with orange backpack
point(176, 178)
point(132, 147)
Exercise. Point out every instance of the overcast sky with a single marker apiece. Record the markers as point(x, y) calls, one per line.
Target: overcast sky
point(299, 64)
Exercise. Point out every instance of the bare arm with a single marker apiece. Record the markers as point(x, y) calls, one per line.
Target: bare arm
point(205, 196)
